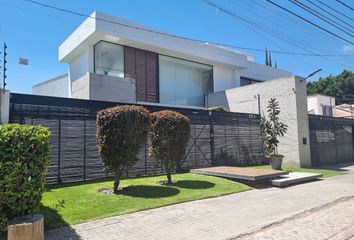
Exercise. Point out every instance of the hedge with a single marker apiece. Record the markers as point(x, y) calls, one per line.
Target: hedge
point(24, 159)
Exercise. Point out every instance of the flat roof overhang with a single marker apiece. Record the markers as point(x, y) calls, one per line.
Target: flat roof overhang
point(92, 31)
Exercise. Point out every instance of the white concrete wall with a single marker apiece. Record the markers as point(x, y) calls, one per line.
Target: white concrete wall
point(4, 106)
point(316, 102)
point(225, 78)
point(80, 65)
point(104, 88)
point(56, 87)
point(291, 95)
point(262, 72)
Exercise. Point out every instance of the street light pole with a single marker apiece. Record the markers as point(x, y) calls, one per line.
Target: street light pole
point(311, 74)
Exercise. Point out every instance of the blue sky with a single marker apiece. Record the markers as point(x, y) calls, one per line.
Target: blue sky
point(34, 32)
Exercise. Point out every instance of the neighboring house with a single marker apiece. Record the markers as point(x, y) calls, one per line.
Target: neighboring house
point(344, 110)
point(116, 60)
point(56, 87)
point(321, 105)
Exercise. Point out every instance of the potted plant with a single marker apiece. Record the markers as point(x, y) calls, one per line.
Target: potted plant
point(273, 128)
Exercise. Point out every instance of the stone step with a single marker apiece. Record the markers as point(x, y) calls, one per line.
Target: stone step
point(295, 178)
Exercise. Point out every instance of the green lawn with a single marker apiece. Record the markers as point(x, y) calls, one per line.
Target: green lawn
point(79, 203)
point(325, 172)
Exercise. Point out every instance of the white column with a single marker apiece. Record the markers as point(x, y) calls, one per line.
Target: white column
point(4, 106)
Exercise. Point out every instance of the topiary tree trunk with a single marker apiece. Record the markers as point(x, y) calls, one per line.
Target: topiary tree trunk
point(169, 134)
point(121, 133)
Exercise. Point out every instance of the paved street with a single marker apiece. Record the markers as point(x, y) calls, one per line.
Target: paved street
point(233, 215)
point(334, 221)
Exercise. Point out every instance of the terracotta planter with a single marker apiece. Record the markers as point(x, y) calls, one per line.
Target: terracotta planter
point(29, 227)
point(276, 161)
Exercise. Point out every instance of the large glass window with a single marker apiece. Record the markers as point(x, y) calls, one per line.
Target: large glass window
point(183, 82)
point(109, 59)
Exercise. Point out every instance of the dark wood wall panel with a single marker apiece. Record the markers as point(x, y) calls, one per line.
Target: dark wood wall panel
point(152, 77)
point(142, 66)
point(129, 62)
point(140, 62)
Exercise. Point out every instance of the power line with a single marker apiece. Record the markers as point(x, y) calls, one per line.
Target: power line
point(186, 38)
point(37, 12)
point(288, 27)
point(320, 16)
point(335, 10)
point(345, 5)
point(328, 12)
point(254, 24)
point(295, 23)
point(310, 22)
point(265, 29)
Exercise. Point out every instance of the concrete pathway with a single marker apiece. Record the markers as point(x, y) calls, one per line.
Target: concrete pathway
point(215, 218)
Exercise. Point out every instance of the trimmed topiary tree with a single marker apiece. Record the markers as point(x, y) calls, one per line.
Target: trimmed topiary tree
point(24, 159)
point(121, 133)
point(169, 134)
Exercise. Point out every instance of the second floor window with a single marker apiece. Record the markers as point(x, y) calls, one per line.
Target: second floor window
point(109, 59)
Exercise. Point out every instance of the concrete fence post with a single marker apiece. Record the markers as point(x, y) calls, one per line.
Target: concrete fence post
point(4, 106)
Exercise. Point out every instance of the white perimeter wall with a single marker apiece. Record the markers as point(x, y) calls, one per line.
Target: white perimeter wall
point(292, 98)
point(4, 106)
point(56, 87)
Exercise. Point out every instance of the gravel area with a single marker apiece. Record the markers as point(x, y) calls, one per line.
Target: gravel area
point(334, 221)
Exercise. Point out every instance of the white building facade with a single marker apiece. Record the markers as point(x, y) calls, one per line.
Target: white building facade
point(160, 68)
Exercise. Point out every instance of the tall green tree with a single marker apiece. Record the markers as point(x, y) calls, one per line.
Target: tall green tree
point(340, 86)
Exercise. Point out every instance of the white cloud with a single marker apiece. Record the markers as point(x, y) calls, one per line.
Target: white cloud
point(348, 48)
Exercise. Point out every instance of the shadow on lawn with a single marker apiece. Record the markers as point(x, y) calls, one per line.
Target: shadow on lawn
point(143, 191)
point(194, 184)
point(52, 219)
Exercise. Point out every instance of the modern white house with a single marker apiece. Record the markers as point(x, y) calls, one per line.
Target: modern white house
point(115, 60)
point(110, 59)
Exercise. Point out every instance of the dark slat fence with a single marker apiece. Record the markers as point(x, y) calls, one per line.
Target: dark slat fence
point(331, 140)
point(217, 138)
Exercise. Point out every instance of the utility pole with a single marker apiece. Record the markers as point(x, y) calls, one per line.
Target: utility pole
point(4, 77)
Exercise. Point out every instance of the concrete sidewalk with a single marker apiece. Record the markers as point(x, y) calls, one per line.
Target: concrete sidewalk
point(215, 218)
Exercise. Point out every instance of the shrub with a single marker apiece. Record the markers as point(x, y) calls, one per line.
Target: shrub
point(169, 134)
point(121, 132)
point(24, 159)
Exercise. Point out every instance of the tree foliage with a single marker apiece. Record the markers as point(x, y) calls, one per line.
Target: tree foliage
point(24, 159)
point(272, 127)
point(121, 133)
point(169, 134)
point(340, 86)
